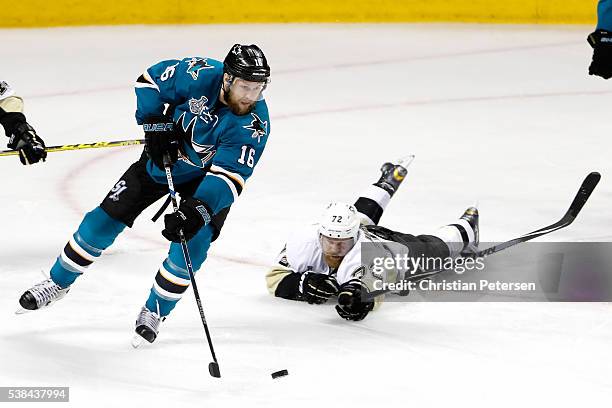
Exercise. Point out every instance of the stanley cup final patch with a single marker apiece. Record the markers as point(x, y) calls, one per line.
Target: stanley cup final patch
point(198, 106)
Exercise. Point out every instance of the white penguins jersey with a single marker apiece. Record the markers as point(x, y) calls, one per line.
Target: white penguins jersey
point(9, 102)
point(303, 253)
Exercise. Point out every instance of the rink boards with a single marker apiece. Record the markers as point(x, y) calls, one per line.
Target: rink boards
point(39, 13)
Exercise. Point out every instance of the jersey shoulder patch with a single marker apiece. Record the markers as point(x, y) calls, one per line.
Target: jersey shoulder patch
point(258, 127)
point(195, 65)
point(5, 90)
point(252, 128)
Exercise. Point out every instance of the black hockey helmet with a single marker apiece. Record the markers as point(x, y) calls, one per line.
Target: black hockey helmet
point(247, 62)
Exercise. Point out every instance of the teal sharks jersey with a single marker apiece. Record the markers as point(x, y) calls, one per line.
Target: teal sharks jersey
point(604, 15)
point(224, 146)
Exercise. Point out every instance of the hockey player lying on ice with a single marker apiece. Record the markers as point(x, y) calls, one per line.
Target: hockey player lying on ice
point(325, 259)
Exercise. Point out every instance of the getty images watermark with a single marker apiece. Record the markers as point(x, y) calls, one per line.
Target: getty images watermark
point(535, 272)
point(410, 266)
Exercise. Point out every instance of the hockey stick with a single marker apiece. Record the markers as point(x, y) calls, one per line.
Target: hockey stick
point(95, 145)
point(586, 188)
point(213, 367)
point(584, 192)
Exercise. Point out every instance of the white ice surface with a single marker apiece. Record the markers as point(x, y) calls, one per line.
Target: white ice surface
point(503, 115)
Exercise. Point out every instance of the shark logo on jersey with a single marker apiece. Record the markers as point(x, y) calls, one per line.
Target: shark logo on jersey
point(204, 152)
point(196, 65)
point(258, 126)
point(189, 128)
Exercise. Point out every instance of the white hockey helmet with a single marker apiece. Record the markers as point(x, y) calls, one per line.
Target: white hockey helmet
point(340, 221)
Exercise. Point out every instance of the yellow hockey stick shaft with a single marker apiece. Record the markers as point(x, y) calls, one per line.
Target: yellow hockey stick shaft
point(95, 145)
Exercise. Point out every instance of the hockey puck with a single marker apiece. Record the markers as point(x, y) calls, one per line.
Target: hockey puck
point(278, 374)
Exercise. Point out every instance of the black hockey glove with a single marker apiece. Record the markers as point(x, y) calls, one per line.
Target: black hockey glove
point(22, 137)
point(601, 41)
point(350, 304)
point(316, 288)
point(160, 139)
point(190, 217)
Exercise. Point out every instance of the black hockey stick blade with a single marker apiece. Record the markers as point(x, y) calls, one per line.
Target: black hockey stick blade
point(583, 194)
point(587, 187)
point(213, 369)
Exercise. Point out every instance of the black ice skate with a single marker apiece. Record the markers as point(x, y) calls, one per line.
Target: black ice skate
point(147, 326)
point(393, 174)
point(471, 216)
point(41, 295)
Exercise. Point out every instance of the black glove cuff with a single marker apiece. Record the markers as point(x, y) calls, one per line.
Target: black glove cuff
point(600, 37)
point(158, 123)
point(302, 281)
point(10, 121)
point(289, 287)
point(197, 208)
point(160, 139)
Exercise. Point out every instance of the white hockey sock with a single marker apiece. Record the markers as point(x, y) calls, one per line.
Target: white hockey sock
point(371, 204)
point(457, 236)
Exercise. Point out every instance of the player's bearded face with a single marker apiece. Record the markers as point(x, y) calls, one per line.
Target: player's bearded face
point(336, 248)
point(242, 95)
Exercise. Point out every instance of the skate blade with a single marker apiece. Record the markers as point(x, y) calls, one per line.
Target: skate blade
point(137, 341)
point(21, 311)
point(405, 161)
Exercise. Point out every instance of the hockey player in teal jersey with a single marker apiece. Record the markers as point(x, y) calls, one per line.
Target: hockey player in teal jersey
point(601, 41)
point(211, 119)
